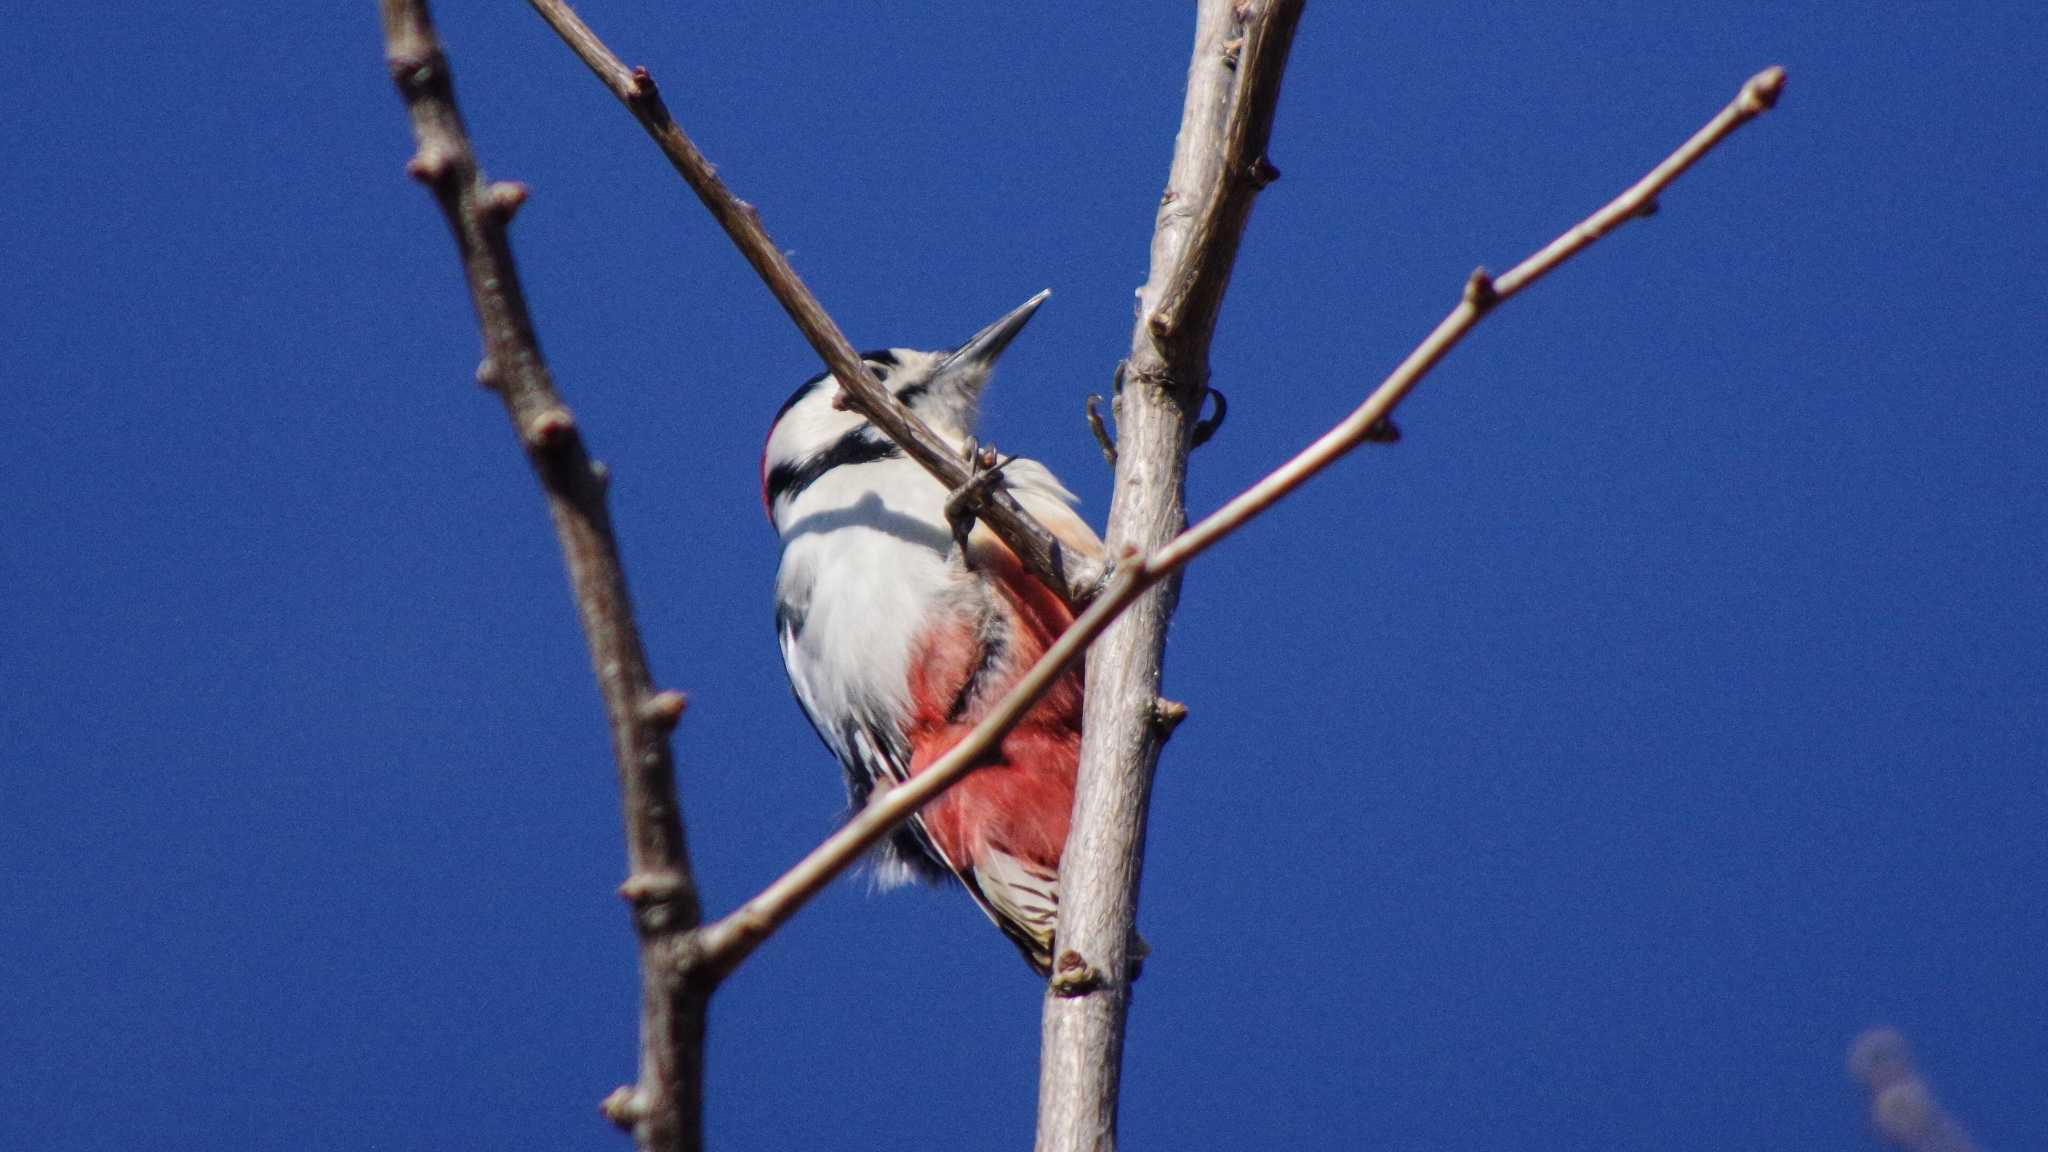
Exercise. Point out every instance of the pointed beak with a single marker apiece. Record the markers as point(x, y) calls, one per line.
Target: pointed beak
point(989, 343)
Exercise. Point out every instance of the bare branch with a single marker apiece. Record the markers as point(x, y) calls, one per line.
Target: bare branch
point(1482, 294)
point(725, 943)
point(1259, 55)
point(1076, 578)
point(1219, 165)
point(664, 1108)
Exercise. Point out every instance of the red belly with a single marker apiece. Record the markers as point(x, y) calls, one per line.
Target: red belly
point(1020, 800)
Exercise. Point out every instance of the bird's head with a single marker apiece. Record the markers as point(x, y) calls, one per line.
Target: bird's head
point(812, 434)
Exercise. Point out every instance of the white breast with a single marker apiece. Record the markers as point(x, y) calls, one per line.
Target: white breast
point(865, 564)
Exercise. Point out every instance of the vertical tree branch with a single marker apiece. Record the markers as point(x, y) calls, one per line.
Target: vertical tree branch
point(1219, 164)
point(664, 1108)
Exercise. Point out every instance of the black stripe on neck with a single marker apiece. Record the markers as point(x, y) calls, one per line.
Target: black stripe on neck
point(863, 445)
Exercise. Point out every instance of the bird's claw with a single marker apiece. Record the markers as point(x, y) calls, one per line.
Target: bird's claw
point(963, 504)
point(1101, 431)
point(1206, 426)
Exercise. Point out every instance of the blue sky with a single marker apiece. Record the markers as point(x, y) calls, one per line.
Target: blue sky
point(1586, 770)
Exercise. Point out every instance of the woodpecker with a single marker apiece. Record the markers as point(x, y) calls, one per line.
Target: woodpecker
point(898, 639)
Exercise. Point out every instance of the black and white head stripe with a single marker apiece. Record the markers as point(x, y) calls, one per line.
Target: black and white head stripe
point(859, 443)
point(863, 445)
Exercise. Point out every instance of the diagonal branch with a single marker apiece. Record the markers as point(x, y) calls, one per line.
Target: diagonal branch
point(1074, 577)
point(725, 943)
point(1482, 294)
point(664, 1108)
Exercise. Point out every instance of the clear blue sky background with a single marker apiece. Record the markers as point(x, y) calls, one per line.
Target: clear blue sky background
point(1583, 772)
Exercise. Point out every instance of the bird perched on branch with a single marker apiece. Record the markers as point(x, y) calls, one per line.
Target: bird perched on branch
point(900, 633)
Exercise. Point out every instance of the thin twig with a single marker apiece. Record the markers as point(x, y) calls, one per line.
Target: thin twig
point(664, 1108)
point(1075, 578)
point(1481, 296)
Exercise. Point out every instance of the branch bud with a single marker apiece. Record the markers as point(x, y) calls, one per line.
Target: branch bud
point(1073, 976)
point(550, 428)
point(503, 198)
point(1762, 91)
point(653, 896)
point(1167, 715)
point(1479, 290)
point(431, 165)
point(625, 1107)
point(413, 71)
point(664, 709)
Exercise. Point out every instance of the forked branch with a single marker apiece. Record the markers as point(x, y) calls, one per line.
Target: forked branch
point(1075, 578)
point(664, 1108)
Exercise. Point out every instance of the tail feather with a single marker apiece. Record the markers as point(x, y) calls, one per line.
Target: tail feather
point(1023, 899)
